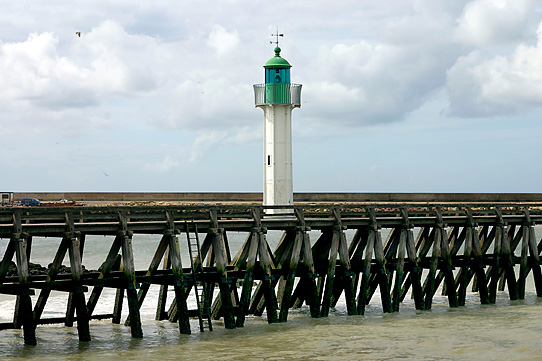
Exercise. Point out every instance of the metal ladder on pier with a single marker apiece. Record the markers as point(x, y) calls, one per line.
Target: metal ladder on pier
point(201, 288)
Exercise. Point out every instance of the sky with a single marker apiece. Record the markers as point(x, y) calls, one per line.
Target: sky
point(398, 96)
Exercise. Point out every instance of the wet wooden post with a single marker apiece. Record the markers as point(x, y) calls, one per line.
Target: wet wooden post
point(474, 264)
point(308, 262)
point(381, 277)
point(486, 239)
point(430, 281)
point(221, 263)
point(172, 244)
point(529, 246)
point(478, 261)
point(297, 252)
point(407, 246)
point(290, 277)
point(129, 272)
point(355, 250)
point(387, 253)
point(266, 261)
point(330, 276)
point(523, 267)
point(422, 246)
point(51, 275)
point(507, 274)
point(455, 240)
point(264, 295)
point(161, 313)
point(281, 255)
point(399, 270)
point(19, 243)
point(498, 256)
point(306, 288)
point(16, 318)
point(251, 247)
point(178, 286)
point(162, 248)
point(77, 272)
point(534, 251)
point(70, 308)
point(106, 267)
point(447, 266)
point(463, 275)
point(366, 273)
point(415, 273)
point(382, 274)
point(117, 308)
point(320, 253)
point(346, 268)
point(206, 251)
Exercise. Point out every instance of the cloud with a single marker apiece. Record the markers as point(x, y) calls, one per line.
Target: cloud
point(197, 76)
point(74, 86)
point(172, 157)
point(222, 41)
point(208, 102)
point(100, 66)
point(486, 22)
point(33, 72)
point(480, 85)
point(204, 143)
point(168, 163)
point(365, 83)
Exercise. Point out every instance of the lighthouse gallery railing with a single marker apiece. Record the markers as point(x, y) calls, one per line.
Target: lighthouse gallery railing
point(281, 94)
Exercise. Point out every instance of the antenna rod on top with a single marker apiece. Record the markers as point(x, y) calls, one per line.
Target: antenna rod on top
point(277, 36)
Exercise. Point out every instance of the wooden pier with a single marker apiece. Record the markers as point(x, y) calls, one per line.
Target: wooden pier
point(467, 247)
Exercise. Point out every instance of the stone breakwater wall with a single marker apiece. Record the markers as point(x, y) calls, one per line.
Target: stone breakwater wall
point(255, 197)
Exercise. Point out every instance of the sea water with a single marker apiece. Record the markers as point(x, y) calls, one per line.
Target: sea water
point(508, 330)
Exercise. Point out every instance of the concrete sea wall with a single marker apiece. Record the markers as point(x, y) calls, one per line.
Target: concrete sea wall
point(298, 197)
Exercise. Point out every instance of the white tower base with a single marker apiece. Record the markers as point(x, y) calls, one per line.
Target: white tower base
point(278, 186)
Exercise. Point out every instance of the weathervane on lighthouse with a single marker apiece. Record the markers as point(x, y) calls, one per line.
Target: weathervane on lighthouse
point(277, 97)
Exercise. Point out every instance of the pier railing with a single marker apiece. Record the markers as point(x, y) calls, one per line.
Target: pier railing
point(426, 245)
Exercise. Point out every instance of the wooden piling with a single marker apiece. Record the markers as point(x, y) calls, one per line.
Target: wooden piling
point(219, 252)
point(251, 248)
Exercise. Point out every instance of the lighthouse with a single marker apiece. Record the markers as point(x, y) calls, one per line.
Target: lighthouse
point(277, 97)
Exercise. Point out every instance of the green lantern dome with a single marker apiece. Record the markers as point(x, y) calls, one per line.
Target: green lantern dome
point(277, 62)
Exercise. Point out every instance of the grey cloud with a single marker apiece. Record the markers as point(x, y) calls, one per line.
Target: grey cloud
point(481, 85)
point(192, 67)
point(487, 22)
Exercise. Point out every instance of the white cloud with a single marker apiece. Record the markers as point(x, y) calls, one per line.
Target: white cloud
point(222, 41)
point(67, 88)
point(32, 71)
point(363, 83)
point(248, 134)
point(107, 60)
point(486, 22)
point(204, 143)
point(168, 163)
point(484, 86)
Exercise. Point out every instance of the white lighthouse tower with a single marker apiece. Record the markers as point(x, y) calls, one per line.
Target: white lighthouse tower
point(277, 97)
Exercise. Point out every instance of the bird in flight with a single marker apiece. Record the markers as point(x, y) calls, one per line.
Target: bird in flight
point(78, 33)
point(107, 175)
